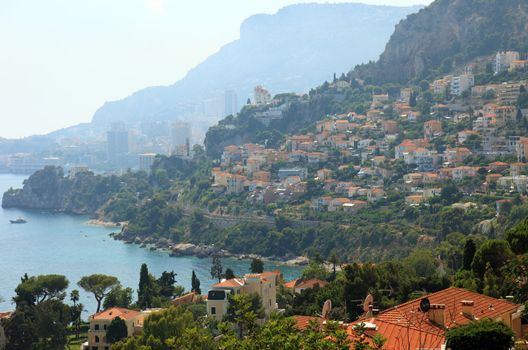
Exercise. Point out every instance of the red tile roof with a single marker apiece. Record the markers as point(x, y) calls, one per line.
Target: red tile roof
point(405, 324)
point(114, 312)
point(5, 315)
point(233, 282)
point(302, 322)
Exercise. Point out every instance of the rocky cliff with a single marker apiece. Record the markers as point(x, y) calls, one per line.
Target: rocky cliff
point(449, 33)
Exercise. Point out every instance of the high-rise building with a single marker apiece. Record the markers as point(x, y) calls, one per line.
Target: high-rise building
point(181, 138)
point(230, 103)
point(118, 144)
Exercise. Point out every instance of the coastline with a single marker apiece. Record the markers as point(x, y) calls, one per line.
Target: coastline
point(201, 251)
point(99, 222)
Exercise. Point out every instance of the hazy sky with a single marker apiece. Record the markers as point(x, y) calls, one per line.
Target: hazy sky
point(62, 59)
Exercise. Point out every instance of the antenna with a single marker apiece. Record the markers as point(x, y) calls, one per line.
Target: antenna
point(425, 305)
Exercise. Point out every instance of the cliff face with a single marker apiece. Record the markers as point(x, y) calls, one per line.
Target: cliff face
point(48, 189)
point(449, 33)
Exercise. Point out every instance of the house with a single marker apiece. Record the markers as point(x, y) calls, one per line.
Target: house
point(321, 203)
point(337, 204)
point(375, 194)
point(464, 135)
point(461, 172)
point(299, 285)
point(235, 184)
point(301, 172)
point(389, 126)
point(187, 299)
point(3, 340)
point(263, 176)
point(504, 59)
point(415, 199)
point(264, 284)
point(323, 174)
point(457, 155)
point(408, 326)
point(354, 206)
point(498, 167)
point(432, 129)
point(99, 322)
point(379, 100)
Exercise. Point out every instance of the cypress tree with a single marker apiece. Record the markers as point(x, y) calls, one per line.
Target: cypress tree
point(469, 253)
point(145, 288)
point(195, 284)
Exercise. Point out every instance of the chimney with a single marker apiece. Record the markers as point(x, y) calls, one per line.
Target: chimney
point(437, 314)
point(468, 308)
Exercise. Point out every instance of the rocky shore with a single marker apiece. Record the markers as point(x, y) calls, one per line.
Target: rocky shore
point(201, 251)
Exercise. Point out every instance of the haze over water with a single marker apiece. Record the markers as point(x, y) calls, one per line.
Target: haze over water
point(65, 244)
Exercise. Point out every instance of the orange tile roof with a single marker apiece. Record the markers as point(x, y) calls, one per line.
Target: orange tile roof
point(231, 283)
point(405, 326)
point(485, 307)
point(5, 315)
point(311, 283)
point(302, 322)
point(114, 312)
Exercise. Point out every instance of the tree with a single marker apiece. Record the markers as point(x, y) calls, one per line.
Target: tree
point(99, 285)
point(145, 291)
point(517, 237)
point(195, 284)
point(469, 254)
point(216, 268)
point(334, 260)
point(244, 310)
point(37, 289)
point(257, 266)
point(76, 311)
point(117, 330)
point(483, 335)
point(494, 252)
point(118, 297)
point(229, 274)
point(166, 284)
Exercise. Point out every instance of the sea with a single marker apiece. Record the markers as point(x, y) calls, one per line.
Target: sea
point(53, 243)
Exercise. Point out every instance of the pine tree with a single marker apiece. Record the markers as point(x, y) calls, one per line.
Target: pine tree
point(195, 284)
point(229, 274)
point(257, 266)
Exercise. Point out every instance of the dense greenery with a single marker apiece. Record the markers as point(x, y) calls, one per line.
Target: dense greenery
point(485, 334)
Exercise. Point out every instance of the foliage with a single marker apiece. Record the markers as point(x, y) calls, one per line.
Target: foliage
point(216, 268)
point(517, 237)
point(484, 334)
point(118, 297)
point(195, 284)
point(116, 331)
point(99, 285)
point(257, 266)
point(495, 253)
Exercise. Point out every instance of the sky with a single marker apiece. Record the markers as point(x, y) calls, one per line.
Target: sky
point(60, 60)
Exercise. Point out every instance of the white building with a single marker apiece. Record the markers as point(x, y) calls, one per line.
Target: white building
point(503, 60)
point(262, 96)
point(462, 83)
point(230, 103)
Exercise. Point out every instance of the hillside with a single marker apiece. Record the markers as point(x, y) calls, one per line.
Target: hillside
point(449, 33)
point(297, 48)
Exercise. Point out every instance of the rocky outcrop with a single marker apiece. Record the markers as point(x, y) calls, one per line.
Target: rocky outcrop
point(449, 33)
point(50, 190)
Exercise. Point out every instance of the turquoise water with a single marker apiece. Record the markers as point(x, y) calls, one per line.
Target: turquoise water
point(67, 245)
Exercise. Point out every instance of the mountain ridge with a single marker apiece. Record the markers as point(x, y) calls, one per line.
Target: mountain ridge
point(284, 62)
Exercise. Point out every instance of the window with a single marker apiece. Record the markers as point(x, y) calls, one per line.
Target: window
point(96, 327)
point(104, 327)
point(213, 310)
point(106, 348)
point(96, 339)
point(95, 348)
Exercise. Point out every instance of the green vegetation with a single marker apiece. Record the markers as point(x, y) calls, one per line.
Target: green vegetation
point(485, 335)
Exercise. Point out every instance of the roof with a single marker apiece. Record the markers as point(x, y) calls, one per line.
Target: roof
point(114, 312)
point(302, 322)
point(5, 315)
point(311, 283)
point(484, 307)
point(406, 327)
point(231, 283)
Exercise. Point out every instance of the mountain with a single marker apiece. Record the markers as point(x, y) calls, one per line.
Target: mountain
point(449, 33)
point(297, 48)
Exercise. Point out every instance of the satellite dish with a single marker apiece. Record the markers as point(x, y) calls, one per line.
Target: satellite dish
point(369, 300)
point(327, 309)
point(425, 305)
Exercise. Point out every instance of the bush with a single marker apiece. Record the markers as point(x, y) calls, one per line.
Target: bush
point(482, 335)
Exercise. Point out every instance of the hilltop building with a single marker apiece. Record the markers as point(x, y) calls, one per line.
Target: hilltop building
point(262, 96)
point(181, 138)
